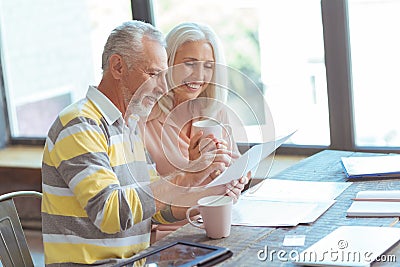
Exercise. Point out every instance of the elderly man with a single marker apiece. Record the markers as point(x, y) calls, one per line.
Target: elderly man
point(98, 201)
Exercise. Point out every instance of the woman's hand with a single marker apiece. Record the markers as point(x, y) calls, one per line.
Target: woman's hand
point(234, 188)
point(194, 151)
point(199, 145)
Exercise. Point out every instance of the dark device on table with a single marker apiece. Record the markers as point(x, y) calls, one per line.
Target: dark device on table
point(180, 253)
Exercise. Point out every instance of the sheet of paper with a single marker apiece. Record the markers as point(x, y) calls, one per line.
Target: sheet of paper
point(289, 202)
point(292, 190)
point(248, 161)
point(374, 209)
point(252, 212)
point(377, 194)
point(269, 213)
point(321, 208)
point(294, 240)
point(348, 246)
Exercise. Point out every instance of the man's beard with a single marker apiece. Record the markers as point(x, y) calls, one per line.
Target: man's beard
point(136, 107)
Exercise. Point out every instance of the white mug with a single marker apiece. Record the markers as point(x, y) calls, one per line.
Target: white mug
point(208, 126)
point(216, 212)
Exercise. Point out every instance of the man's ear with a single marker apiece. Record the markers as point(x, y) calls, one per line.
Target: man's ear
point(116, 65)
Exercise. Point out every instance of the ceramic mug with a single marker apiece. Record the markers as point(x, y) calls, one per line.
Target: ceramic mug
point(208, 127)
point(216, 212)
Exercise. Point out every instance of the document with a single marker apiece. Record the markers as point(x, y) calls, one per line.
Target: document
point(293, 190)
point(375, 203)
point(248, 161)
point(278, 202)
point(351, 246)
point(374, 166)
point(249, 212)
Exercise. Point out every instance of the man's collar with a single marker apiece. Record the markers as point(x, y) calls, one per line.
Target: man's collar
point(109, 111)
point(132, 121)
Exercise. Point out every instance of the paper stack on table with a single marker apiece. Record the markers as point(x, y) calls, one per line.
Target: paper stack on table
point(385, 166)
point(285, 202)
point(375, 203)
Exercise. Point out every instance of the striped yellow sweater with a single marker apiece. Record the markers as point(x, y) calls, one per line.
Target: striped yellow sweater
point(97, 206)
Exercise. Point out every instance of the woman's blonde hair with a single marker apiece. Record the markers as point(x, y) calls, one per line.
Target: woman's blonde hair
point(216, 92)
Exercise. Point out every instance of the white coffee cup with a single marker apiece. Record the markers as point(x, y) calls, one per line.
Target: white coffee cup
point(216, 212)
point(208, 127)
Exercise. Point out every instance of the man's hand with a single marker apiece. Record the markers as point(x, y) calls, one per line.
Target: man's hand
point(234, 188)
point(182, 189)
point(205, 169)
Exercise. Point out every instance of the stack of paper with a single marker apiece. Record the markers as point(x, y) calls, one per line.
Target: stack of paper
point(375, 166)
point(376, 204)
point(285, 202)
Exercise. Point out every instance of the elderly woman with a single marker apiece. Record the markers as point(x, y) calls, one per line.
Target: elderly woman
point(197, 83)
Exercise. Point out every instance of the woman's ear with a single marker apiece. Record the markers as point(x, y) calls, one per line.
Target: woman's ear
point(116, 66)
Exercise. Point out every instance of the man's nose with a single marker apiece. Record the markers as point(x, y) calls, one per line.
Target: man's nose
point(162, 83)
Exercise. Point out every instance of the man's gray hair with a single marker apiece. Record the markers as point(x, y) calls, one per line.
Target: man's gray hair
point(126, 41)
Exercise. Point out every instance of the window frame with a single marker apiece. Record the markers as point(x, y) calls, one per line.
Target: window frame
point(338, 74)
point(5, 132)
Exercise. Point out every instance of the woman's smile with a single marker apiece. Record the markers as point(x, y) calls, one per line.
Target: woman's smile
point(194, 86)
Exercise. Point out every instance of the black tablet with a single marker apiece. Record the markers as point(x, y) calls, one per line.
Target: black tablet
point(180, 253)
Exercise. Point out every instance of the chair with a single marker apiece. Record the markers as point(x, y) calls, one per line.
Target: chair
point(14, 249)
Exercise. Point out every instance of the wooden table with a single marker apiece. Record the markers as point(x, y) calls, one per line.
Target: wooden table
point(245, 242)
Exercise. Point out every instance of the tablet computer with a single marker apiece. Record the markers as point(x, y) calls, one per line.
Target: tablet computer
point(180, 253)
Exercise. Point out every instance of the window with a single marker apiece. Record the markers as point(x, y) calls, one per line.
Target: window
point(375, 57)
point(328, 68)
point(278, 48)
point(50, 53)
